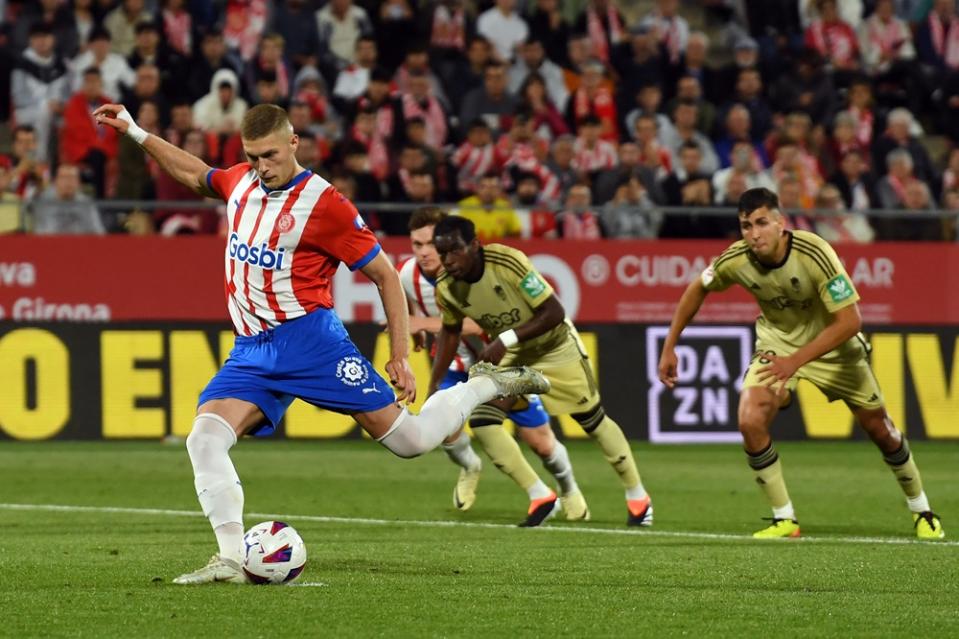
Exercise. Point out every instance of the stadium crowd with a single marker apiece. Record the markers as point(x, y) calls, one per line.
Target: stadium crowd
point(538, 117)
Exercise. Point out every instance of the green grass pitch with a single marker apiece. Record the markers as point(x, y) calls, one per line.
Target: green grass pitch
point(391, 557)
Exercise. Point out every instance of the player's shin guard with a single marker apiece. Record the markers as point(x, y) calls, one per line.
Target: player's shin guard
point(611, 440)
point(442, 415)
point(487, 424)
point(768, 471)
point(217, 485)
point(903, 466)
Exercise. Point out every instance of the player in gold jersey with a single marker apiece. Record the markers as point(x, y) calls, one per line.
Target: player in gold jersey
point(808, 329)
point(498, 288)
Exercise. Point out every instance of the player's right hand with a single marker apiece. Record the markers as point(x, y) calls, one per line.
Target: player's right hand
point(402, 378)
point(668, 364)
point(110, 115)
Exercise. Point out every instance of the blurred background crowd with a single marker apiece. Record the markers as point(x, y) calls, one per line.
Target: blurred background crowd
point(537, 118)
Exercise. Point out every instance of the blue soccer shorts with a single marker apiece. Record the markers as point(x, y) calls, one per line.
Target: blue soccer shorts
point(530, 417)
point(311, 358)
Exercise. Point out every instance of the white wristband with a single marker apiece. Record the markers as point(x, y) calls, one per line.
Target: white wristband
point(134, 131)
point(509, 338)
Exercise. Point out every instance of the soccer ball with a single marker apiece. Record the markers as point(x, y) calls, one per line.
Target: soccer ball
point(275, 553)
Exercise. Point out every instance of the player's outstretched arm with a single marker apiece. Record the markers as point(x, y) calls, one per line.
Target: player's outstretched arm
point(380, 271)
point(185, 168)
point(446, 343)
point(435, 324)
point(689, 304)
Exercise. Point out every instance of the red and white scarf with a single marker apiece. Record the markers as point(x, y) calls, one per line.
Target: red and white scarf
point(376, 152)
point(245, 22)
point(449, 29)
point(580, 226)
point(473, 162)
point(899, 187)
point(433, 116)
point(864, 122)
point(597, 34)
point(282, 77)
point(884, 36)
point(177, 27)
point(833, 40)
point(946, 45)
point(523, 156)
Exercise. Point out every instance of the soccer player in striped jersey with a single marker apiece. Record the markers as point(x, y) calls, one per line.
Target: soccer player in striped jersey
point(289, 231)
point(808, 329)
point(499, 288)
point(418, 276)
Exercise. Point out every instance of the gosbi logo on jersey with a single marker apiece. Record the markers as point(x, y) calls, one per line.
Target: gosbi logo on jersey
point(262, 255)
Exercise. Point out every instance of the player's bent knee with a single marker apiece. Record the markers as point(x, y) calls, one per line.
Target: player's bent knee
point(208, 433)
point(591, 419)
point(405, 438)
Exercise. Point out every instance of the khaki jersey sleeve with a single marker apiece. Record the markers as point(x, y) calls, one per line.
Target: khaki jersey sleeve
point(836, 289)
point(721, 274)
point(450, 315)
point(532, 286)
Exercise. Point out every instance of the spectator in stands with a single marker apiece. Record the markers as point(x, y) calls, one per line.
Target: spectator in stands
point(689, 186)
point(855, 182)
point(309, 89)
point(86, 18)
point(177, 27)
point(39, 86)
point(378, 97)
point(885, 41)
point(82, 142)
point(594, 99)
point(685, 115)
point(577, 55)
point(419, 102)
point(135, 169)
point(592, 153)
point(364, 131)
point(560, 162)
point(24, 173)
point(416, 134)
point(475, 157)
point(648, 102)
point(267, 90)
point(642, 67)
point(937, 39)
point(835, 40)
point(448, 25)
point(122, 22)
point(745, 165)
point(790, 202)
point(607, 181)
point(269, 59)
point(296, 22)
point(840, 225)
point(243, 26)
point(7, 63)
point(339, 24)
point(492, 102)
point(148, 49)
point(791, 160)
point(808, 89)
point(738, 127)
point(577, 221)
point(181, 123)
point(532, 59)
point(57, 16)
point(417, 61)
point(688, 89)
point(745, 56)
point(534, 98)
point(180, 221)
point(222, 109)
point(861, 108)
point(504, 27)
point(672, 29)
point(916, 197)
point(356, 164)
point(950, 176)
point(490, 212)
point(308, 153)
point(523, 152)
point(411, 159)
point(396, 21)
point(749, 93)
point(116, 75)
point(548, 25)
point(631, 214)
point(652, 154)
point(842, 141)
point(64, 210)
point(899, 134)
point(467, 75)
point(352, 81)
point(211, 58)
point(900, 173)
point(146, 88)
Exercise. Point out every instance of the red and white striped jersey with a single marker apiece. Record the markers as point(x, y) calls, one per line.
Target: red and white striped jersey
point(421, 294)
point(472, 163)
point(601, 156)
point(285, 245)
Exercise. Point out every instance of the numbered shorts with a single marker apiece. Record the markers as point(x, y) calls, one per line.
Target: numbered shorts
point(573, 387)
point(849, 378)
point(530, 417)
point(311, 358)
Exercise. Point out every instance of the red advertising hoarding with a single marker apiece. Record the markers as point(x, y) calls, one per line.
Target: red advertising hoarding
point(153, 278)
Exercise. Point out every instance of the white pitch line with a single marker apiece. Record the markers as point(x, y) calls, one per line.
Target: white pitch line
point(895, 541)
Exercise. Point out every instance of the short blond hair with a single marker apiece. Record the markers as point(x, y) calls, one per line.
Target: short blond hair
point(262, 120)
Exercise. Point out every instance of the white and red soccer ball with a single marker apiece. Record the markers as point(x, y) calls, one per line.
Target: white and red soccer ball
point(275, 553)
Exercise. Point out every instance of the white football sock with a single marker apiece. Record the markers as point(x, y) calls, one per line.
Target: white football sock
point(636, 492)
point(461, 452)
point(559, 466)
point(918, 504)
point(441, 416)
point(784, 512)
point(539, 490)
point(217, 485)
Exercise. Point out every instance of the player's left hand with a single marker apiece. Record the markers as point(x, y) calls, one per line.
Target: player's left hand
point(778, 371)
point(402, 378)
point(493, 352)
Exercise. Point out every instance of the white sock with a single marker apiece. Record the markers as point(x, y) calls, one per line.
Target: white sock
point(461, 452)
point(784, 512)
point(217, 485)
point(919, 503)
point(636, 492)
point(559, 466)
point(539, 490)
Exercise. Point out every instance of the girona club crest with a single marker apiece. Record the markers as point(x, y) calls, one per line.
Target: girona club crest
point(285, 222)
